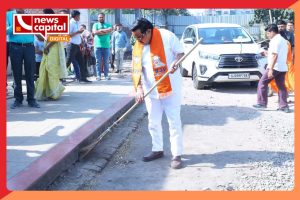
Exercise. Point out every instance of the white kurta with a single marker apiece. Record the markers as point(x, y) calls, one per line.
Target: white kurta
point(171, 105)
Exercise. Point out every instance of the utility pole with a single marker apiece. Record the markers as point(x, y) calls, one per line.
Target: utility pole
point(153, 17)
point(137, 13)
point(118, 16)
point(270, 14)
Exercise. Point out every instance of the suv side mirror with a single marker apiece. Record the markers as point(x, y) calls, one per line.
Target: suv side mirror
point(188, 41)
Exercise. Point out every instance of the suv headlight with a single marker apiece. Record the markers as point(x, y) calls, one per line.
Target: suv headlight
point(209, 56)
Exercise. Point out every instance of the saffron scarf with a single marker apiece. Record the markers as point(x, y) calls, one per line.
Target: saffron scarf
point(159, 64)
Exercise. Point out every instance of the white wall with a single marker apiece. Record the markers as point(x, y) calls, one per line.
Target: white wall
point(85, 18)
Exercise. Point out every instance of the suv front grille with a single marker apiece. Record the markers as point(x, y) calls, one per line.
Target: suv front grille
point(231, 61)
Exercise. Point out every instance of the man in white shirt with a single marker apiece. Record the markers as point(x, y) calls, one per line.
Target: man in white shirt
point(276, 69)
point(74, 54)
point(152, 58)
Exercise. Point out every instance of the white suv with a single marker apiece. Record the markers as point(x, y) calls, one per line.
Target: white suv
point(227, 53)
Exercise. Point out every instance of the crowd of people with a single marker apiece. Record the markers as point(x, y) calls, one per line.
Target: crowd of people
point(48, 65)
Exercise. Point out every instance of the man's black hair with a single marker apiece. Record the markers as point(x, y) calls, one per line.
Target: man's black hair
point(282, 33)
point(272, 28)
point(75, 13)
point(142, 24)
point(48, 11)
point(83, 25)
point(64, 11)
point(281, 22)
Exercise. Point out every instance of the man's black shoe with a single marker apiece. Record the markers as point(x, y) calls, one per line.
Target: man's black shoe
point(34, 105)
point(35, 77)
point(85, 81)
point(285, 109)
point(153, 156)
point(176, 162)
point(16, 104)
point(259, 106)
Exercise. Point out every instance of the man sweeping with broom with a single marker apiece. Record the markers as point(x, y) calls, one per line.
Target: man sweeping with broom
point(154, 53)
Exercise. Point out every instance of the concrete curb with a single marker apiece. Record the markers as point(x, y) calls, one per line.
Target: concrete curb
point(48, 167)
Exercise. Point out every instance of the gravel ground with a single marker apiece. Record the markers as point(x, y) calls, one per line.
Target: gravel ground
point(274, 135)
point(277, 171)
point(228, 146)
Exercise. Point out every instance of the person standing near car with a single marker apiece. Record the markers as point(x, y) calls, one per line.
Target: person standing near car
point(154, 53)
point(290, 27)
point(276, 69)
point(290, 36)
point(290, 74)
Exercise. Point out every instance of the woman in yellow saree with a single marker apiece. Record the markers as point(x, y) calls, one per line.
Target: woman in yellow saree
point(52, 69)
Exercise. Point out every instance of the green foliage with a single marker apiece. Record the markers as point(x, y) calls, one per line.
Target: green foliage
point(165, 12)
point(263, 16)
point(105, 11)
point(128, 11)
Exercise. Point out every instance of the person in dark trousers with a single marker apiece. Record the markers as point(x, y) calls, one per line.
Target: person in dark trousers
point(74, 54)
point(39, 45)
point(276, 69)
point(21, 50)
point(113, 54)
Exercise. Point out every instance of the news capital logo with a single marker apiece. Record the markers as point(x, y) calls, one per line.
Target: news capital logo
point(54, 27)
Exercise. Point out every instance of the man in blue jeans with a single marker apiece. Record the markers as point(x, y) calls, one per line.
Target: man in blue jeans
point(101, 31)
point(21, 49)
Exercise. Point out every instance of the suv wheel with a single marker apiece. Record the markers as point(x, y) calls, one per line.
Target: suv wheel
point(183, 71)
point(197, 84)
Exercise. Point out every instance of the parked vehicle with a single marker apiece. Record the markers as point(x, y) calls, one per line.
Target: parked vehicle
point(227, 53)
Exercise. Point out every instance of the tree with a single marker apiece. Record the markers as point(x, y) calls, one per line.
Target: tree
point(127, 11)
point(165, 13)
point(263, 16)
point(105, 11)
point(183, 12)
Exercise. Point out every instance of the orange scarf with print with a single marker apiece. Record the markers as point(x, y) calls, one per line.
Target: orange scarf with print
point(159, 63)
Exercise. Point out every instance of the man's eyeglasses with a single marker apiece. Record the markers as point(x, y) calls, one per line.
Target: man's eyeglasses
point(141, 36)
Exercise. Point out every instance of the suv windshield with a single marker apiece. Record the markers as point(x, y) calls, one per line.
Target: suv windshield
point(226, 35)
